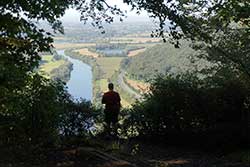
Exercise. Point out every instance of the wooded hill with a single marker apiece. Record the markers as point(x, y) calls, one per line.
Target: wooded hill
point(163, 59)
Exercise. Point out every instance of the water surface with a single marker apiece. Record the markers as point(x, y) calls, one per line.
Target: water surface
point(111, 52)
point(80, 83)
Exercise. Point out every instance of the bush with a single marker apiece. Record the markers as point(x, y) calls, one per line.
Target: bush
point(31, 114)
point(40, 112)
point(78, 119)
point(186, 105)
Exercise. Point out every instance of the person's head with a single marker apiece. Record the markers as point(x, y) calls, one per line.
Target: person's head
point(111, 86)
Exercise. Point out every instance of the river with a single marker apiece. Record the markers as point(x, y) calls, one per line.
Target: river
point(80, 83)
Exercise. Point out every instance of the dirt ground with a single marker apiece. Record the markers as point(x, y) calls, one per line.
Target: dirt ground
point(123, 153)
point(115, 152)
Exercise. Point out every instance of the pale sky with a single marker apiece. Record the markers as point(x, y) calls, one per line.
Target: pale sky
point(72, 15)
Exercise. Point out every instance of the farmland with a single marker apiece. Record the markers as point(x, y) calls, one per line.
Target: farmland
point(87, 52)
point(50, 64)
point(109, 65)
point(59, 68)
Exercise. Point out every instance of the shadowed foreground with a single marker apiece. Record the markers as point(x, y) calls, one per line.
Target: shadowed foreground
point(123, 153)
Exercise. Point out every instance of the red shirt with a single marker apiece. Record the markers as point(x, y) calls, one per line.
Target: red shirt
point(111, 99)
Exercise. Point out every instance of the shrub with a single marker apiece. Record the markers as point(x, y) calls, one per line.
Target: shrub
point(31, 117)
point(186, 105)
point(40, 111)
point(79, 119)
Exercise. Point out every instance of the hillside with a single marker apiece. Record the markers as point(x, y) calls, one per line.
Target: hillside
point(161, 59)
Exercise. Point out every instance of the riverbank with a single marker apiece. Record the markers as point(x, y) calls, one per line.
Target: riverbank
point(104, 69)
point(80, 82)
point(55, 67)
point(96, 72)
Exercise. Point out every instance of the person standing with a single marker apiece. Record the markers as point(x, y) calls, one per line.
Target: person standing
point(112, 102)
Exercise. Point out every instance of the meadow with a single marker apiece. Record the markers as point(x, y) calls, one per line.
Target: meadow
point(135, 40)
point(109, 65)
point(103, 85)
point(50, 64)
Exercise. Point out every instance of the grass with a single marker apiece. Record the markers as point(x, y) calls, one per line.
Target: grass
point(47, 58)
point(50, 64)
point(103, 85)
point(124, 103)
point(109, 65)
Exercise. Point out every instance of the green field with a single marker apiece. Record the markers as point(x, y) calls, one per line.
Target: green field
point(109, 65)
point(103, 85)
point(50, 64)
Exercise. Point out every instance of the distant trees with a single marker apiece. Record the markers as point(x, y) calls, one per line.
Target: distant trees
point(62, 72)
point(196, 20)
point(163, 59)
point(221, 26)
point(230, 50)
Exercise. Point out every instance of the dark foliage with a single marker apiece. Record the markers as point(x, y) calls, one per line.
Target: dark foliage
point(33, 113)
point(62, 73)
point(30, 105)
point(79, 119)
point(185, 106)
